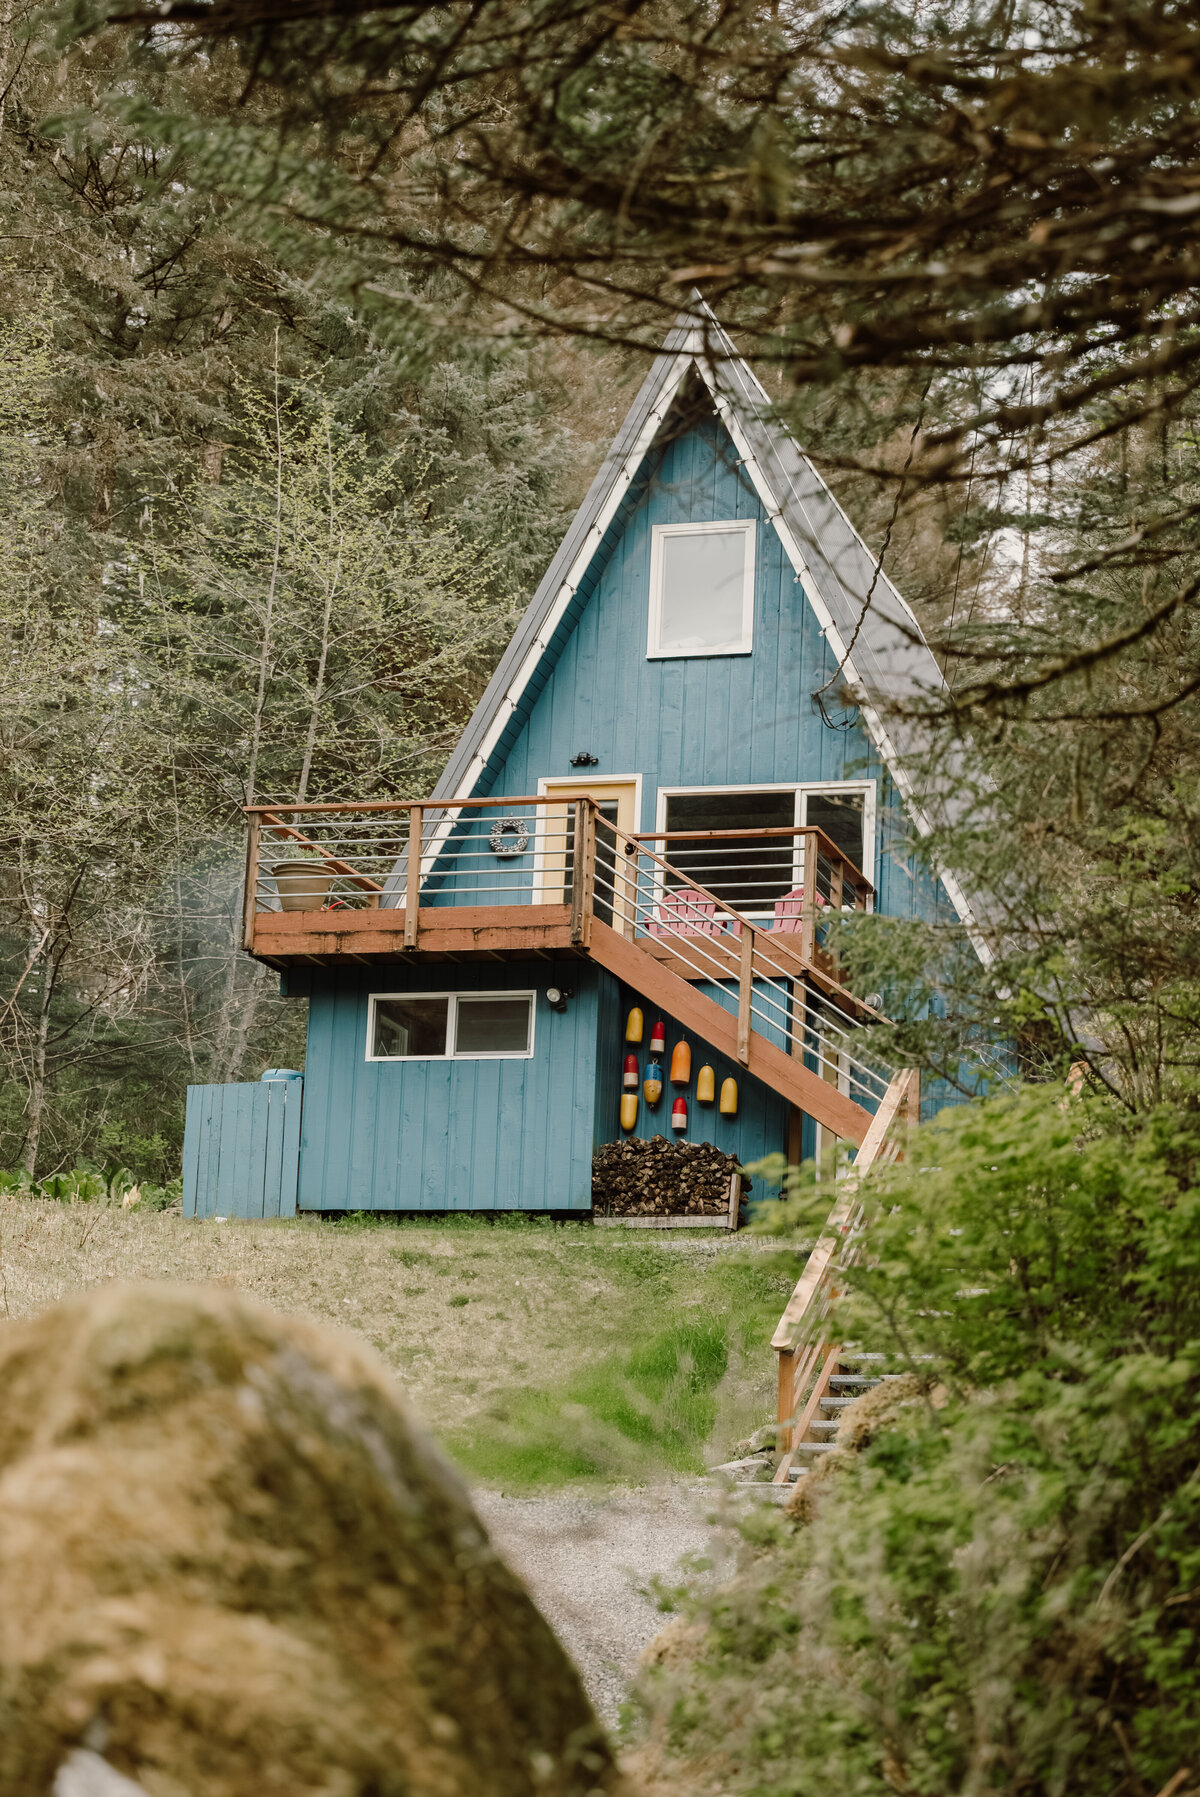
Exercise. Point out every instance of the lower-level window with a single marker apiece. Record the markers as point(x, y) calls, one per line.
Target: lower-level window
point(449, 1025)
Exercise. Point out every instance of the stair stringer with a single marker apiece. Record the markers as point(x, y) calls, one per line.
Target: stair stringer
point(784, 1073)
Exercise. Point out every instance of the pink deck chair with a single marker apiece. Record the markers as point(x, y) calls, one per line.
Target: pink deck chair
point(686, 912)
point(788, 908)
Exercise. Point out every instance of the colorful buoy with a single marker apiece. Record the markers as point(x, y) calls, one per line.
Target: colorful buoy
point(681, 1064)
point(658, 1039)
point(652, 1085)
point(679, 1113)
point(729, 1098)
point(706, 1085)
point(630, 1079)
point(634, 1025)
point(628, 1110)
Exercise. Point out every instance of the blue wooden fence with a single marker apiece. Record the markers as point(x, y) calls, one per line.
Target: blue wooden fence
point(241, 1149)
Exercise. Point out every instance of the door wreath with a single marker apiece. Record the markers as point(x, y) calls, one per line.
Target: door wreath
point(509, 836)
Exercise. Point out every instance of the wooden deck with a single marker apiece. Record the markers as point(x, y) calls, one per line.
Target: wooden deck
point(487, 932)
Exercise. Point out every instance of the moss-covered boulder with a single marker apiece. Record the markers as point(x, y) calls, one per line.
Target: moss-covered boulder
point(232, 1565)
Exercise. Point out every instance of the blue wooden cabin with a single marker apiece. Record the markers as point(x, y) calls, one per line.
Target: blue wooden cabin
point(651, 810)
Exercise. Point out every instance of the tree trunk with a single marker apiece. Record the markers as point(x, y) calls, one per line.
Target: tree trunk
point(332, 573)
point(37, 1077)
point(264, 656)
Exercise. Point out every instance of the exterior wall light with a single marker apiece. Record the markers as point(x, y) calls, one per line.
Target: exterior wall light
point(557, 996)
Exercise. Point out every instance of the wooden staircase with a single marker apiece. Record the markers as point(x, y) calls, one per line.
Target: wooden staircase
point(785, 1073)
point(815, 1369)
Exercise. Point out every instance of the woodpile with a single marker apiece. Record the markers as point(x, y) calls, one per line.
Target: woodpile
point(659, 1178)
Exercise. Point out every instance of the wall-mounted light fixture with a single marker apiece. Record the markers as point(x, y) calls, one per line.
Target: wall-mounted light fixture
point(585, 759)
point(557, 996)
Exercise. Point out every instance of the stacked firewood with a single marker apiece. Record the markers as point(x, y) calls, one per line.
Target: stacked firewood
point(659, 1178)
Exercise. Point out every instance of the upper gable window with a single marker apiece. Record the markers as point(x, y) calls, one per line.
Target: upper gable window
point(702, 589)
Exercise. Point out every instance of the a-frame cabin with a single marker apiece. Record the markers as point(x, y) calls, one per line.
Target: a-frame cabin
point(659, 803)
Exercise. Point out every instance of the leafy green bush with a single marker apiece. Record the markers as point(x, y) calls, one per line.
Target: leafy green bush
point(89, 1185)
point(1002, 1591)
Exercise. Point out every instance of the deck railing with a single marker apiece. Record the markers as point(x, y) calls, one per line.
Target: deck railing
point(412, 860)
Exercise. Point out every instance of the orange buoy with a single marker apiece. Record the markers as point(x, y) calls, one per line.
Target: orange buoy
point(681, 1064)
point(634, 1025)
point(706, 1086)
point(658, 1039)
point(630, 1079)
point(729, 1098)
point(652, 1084)
point(628, 1110)
point(679, 1113)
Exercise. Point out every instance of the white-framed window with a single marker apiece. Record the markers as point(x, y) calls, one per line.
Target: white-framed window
point(752, 872)
point(701, 589)
point(450, 1026)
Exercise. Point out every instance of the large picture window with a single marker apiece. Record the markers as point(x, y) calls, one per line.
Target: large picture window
point(702, 589)
point(752, 872)
point(432, 1026)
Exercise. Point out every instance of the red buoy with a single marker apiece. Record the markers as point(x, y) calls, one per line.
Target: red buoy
point(658, 1040)
point(630, 1081)
point(679, 1113)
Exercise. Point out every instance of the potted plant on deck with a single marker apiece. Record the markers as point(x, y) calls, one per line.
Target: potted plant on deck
point(303, 880)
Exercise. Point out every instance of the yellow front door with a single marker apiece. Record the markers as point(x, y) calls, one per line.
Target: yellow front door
point(616, 881)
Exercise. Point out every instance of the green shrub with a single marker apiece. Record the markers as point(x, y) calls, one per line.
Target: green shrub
point(1002, 1591)
point(88, 1185)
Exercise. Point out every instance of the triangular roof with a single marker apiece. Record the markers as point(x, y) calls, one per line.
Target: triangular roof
point(871, 630)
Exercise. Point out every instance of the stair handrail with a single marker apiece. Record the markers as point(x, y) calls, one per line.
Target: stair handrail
point(900, 1097)
point(807, 1356)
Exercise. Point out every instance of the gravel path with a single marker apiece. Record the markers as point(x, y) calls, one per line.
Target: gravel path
point(587, 1561)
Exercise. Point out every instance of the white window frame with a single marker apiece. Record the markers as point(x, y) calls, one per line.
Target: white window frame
point(801, 788)
point(745, 644)
point(503, 1054)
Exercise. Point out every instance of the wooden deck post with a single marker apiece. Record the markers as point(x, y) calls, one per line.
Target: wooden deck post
point(250, 897)
point(412, 881)
point(785, 1399)
point(808, 905)
point(582, 873)
point(745, 994)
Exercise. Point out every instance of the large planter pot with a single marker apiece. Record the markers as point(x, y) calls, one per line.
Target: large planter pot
point(302, 885)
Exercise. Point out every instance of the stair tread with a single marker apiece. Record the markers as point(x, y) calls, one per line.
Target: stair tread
point(829, 1425)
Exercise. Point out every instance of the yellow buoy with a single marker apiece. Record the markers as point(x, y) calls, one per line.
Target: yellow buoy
point(681, 1064)
point(729, 1098)
point(634, 1024)
point(628, 1110)
point(706, 1085)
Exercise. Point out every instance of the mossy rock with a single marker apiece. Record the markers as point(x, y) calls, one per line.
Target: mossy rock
point(232, 1564)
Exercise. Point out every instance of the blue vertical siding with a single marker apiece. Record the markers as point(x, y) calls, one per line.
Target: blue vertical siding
point(449, 1135)
point(241, 1147)
point(705, 720)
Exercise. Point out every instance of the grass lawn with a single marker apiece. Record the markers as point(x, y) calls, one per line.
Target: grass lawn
point(539, 1354)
